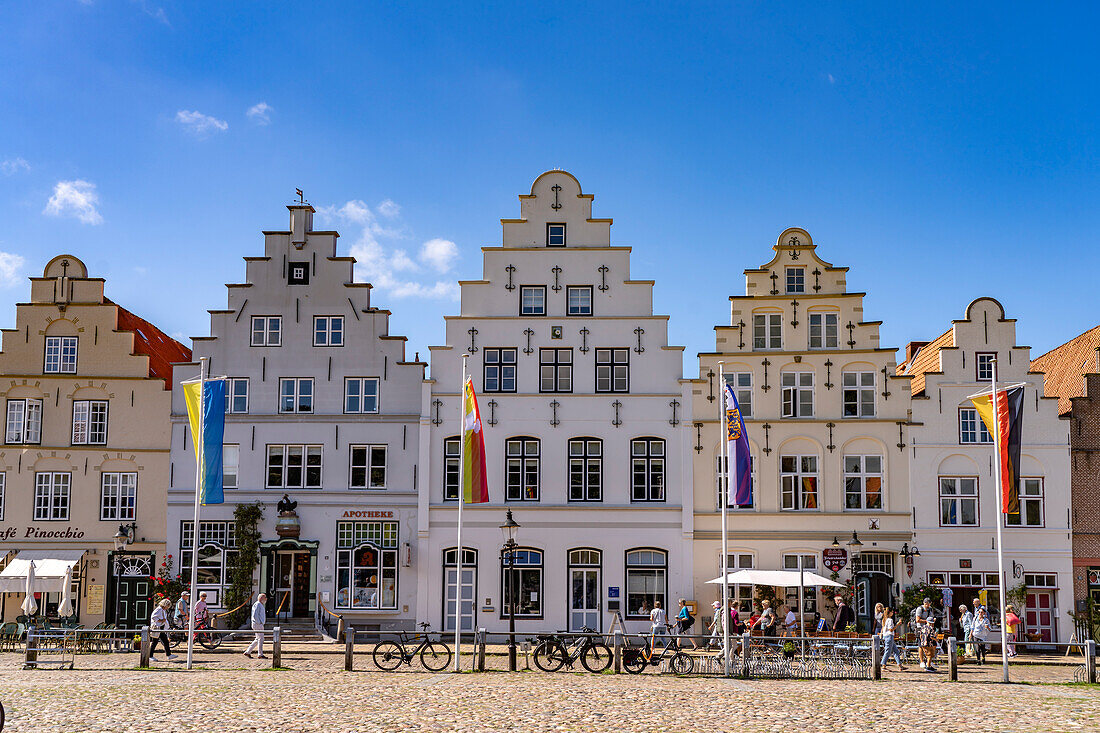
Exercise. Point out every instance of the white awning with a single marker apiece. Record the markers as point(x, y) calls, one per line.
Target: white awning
point(779, 578)
point(50, 567)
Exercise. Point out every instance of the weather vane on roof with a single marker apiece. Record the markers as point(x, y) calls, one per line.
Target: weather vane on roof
point(301, 196)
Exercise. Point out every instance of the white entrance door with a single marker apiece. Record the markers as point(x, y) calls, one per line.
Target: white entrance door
point(469, 593)
point(584, 598)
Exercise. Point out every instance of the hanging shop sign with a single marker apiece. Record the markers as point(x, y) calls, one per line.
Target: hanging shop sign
point(835, 558)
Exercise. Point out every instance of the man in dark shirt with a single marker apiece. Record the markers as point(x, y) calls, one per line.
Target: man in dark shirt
point(844, 616)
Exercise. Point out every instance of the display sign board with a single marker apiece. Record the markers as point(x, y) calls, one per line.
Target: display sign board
point(613, 591)
point(835, 558)
point(94, 605)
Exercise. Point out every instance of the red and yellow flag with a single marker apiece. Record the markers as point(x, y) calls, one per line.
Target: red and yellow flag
point(1008, 422)
point(475, 485)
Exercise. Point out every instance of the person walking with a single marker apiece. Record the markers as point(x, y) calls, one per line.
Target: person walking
point(735, 619)
point(966, 623)
point(684, 622)
point(767, 618)
point(158, 622)
point(183, 605)
point(200, 609)
point(980, 632)
point(716, 625)
point(888, 638)
point(879, 611)
point(844, 616)
point(259, 619)
point(790, 622)
point(1012, 627)
point(657, 619)
point(925, 619)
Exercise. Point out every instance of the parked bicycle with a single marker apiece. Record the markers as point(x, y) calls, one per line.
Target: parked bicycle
point(434, 655)
point(636, 659)
point(552, 652)
point(178, 635)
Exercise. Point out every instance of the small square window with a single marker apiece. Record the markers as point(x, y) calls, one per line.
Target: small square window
point(579, 300)
point(796, 279)
point(555, 235)
point(298, 273)
point(984, 364)
point(532, 300)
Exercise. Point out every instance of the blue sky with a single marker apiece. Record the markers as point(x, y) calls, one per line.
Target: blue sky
point(941, 152)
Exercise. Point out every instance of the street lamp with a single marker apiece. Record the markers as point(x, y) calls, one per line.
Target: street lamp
point(907, 553)
point(508, 551)
point(836, 542)
point(123, 537)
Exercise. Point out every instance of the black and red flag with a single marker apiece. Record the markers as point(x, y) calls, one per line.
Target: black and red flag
point(1009, 422)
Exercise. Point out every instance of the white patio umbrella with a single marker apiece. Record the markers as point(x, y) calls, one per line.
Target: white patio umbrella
point(65, 608)
point(29, 604)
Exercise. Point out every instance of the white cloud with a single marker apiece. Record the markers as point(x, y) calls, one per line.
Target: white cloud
point(440, 254)
point(74, 198)
point(9, 269)
point(11, 166)
point(200, 124)
point(388, 267)
point(260, 113)
point(153, 11)
point(832, 80)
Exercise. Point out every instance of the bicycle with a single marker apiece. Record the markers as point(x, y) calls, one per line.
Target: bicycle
point(636, 659)
point(177, 635)
point(552, 652)
point(434, 655)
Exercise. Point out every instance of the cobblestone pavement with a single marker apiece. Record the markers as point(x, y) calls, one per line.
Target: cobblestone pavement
point(231, 693)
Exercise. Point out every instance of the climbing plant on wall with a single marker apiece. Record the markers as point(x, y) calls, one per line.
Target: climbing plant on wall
point(247, 518)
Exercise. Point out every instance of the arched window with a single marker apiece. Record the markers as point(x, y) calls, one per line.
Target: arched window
point(451, 457)
point(521, 582)
point(521, 469)
point(646, 581)
point(585, 469)
point(647, 457)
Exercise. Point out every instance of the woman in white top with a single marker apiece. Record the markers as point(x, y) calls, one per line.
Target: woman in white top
point(657, 619)
point(891, 645)
point(158, 621)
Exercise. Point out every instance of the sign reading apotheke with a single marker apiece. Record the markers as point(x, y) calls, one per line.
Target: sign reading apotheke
point(367, 514)
point(41, 533)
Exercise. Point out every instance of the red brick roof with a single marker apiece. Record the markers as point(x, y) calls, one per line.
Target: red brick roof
point(1066, 366)
point(926, 360)
point(149, 340)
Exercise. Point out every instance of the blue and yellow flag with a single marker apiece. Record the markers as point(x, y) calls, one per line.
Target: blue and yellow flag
point(212, 430)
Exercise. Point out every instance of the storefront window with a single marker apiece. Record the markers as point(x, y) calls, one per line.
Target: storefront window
point(645, 581)
point(366, 565)
point(217, 553)
point(526, 575)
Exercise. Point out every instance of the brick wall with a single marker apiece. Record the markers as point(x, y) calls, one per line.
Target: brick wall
point(1085, 478)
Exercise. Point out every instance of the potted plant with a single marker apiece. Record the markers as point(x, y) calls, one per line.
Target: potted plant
point(789, 649)
point(136, 643)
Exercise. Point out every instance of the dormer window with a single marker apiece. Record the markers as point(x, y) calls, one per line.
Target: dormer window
point(555, 235)
point(796, 279)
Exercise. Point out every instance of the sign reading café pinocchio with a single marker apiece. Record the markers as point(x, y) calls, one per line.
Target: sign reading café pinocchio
point(36, 533)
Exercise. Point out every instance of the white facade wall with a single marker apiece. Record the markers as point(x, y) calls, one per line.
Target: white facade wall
point(655, 406)
point(368, 351)
point(938, 451)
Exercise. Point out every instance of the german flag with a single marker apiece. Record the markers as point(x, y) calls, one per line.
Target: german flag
point(1010, 415)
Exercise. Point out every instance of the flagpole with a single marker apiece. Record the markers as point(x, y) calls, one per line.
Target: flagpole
point(461, 500)
point(997, 437)
point(199, 443)
point(723, 432)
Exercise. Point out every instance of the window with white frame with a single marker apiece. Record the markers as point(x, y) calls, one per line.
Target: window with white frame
point(798, 482)
point(579, 300)
point(521, 469)
point(612, 370)
point(293, 467)
point(742, 390)
point(798, 394)
point(555, 235)
point(858, 394)
point(809, 592)
point(646, 581)
point(89, 422)
point(236, 395)
point(1031, 504)
point(217, 555)
point(295, 394)
point(328, 330)
point(60, 355)
point(231, 461)
point(555, 370)
point(983, 363)
point(767, 331)
point(451, 459)
point(368, 467)
point(532, 300)
point(958, 501)
point(267, 330)
point(647, 457)
point(521, 583)
point(796, 279)
point(972, 428)
point(118, 497)
point(3, 486)
point(24, 421)
point(720, 482)
point(360, 395)
point(51, 496)
point(740, 594)
point(499, 370)
point(862, 482)
point(824, 330)
point(585, 469)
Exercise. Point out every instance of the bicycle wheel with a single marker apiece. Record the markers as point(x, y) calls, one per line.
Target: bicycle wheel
point(549, 656)
point(435, 656)
point(633, 661)
point(681, 663)
point(596, 657)
point(388, 655)
point(208, 640)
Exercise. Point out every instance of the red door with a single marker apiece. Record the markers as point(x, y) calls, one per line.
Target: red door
point(1039, 616)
